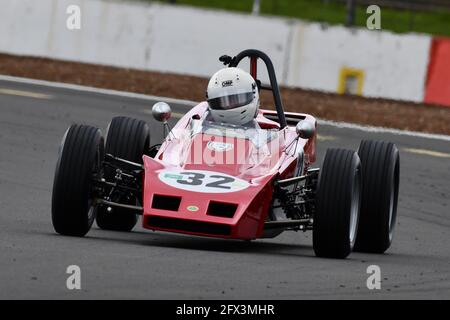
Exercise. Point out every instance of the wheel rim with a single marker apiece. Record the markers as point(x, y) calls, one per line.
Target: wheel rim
point(391, 208)
point(354, 210)
point(92, 207)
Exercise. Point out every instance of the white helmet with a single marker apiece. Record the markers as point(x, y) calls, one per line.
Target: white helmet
point(233, 96)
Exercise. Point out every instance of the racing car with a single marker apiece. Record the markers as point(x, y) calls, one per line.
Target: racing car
point(266, 186)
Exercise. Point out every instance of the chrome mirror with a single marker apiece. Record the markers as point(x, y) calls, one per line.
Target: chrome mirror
point(161, 111)
point(305, 129)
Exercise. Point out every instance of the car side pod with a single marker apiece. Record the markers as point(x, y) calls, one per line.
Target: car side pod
point(305, 130)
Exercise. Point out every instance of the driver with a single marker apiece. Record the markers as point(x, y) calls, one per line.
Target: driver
point(233, 98)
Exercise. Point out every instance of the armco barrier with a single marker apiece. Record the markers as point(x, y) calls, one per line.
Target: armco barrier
point(187, 40)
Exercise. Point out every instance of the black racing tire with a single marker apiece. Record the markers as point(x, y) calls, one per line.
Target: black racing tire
point(337, 204)
point(380, 163)
point(128, 139)
point(80, 157)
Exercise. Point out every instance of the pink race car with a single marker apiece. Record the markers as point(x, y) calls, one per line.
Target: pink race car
point(220, 180)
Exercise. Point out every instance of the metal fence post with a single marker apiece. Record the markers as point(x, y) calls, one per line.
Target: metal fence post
point(256, 7)
point(351, 10)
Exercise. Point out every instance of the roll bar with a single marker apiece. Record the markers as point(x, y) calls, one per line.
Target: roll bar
point(254, 55)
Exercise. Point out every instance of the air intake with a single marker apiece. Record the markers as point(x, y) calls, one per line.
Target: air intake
point(188, 226)
point(169, 203)
point(221, 209)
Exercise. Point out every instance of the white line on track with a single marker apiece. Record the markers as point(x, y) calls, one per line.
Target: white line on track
point(77, 87)
point(189, 103)
point(427, 152)
point(345, 125)
point(24, 93)
point(325, 138)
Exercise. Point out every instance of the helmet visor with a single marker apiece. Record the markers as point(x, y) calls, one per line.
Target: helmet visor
point(231, 101)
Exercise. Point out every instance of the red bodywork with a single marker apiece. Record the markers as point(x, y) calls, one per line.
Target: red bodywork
point(189, 209)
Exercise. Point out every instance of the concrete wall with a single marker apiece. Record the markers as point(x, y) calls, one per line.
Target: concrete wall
point(191, 41)
point(393, 66)
point(112, 33)
point(186, 40)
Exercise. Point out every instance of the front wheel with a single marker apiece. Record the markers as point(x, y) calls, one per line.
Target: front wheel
point(128, 139)
point(80, 157)
point(337, 204)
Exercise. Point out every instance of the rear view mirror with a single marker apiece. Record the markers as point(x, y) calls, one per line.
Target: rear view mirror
point(161, 111)
point(305, 129)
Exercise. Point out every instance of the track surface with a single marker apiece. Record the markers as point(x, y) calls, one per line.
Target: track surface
point(142, 264)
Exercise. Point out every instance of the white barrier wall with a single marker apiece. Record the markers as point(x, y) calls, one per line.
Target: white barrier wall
point(135, 35)
point(393, 66)
point(186, 40)
point(111, 33)
point(191, 41)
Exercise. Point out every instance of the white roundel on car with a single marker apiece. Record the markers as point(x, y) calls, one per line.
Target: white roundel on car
point(219, 146)
point(202, 181)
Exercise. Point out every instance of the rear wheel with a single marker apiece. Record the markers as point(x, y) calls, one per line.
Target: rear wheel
point(337, 204)
point(80, 156)
point(127, 139)
point(380, 163)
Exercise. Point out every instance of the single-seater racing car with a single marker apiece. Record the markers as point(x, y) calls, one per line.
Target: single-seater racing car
point(214, 179)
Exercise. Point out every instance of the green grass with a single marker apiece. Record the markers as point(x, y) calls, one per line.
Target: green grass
point(334, 13)
point(234, 5)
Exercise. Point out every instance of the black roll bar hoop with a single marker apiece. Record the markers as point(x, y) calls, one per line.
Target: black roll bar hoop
point(254, 55)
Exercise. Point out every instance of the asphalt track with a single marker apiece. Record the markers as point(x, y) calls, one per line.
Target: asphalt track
point(156, 265)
